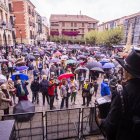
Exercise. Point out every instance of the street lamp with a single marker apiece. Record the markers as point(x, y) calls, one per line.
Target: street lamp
point(5, 39)
point(20, 35)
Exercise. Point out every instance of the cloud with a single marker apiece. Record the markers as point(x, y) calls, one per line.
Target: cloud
point(102, 10)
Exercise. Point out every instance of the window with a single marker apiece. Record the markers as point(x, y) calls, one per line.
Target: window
point(71, 24)
point(10, 7)
point(63, 24)
point(83, 24)
point(75, 24)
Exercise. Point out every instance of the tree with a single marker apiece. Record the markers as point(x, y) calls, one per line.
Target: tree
point(107, 37)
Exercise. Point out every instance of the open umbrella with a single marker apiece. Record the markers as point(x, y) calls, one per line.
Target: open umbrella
point(108, 65)
point(21, 75)
point(81, 57)
point(93, 64)
point(80, 69)
point(65, 76)
point(20, 63)
point(30, 57)
point(2, 79)
point(71, 61)
point(24, 107)
point(57, 53)
point(97, 69)
point(3, 60)
point(54, 60)
point(21, 68)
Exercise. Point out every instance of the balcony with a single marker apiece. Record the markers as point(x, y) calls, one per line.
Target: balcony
point(3, 6)
point(70, 33)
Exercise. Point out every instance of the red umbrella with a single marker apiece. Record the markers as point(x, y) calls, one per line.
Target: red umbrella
point(65, 76)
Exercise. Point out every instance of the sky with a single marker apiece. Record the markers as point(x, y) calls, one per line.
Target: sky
point(102, 10)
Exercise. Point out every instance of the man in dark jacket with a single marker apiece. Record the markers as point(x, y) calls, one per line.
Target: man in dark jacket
point(44, 89)
point(35, 89)
point(123, 120)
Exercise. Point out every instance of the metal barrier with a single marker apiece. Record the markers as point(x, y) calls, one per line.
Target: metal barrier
point(88, 124)
point(61, 124)
point(33, 129)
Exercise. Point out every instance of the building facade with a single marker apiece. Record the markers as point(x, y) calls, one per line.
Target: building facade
point(24, 12)
point(5, 32)
point(71, 26)
point(125, 22)
point(111, 24)
point(134, 21)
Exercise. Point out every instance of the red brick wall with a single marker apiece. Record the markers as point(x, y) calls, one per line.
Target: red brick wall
point(18, 7)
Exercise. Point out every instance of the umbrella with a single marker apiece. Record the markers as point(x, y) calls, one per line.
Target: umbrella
point(3, 60)
point(57, 53)
point(64, 57)
point(24, 107)
point(91, 65)
point(30, 57)
point(2, 79)
point(103, 61)
point(19, 60)
point(79, 69)
point(108, 65)
point(71, 61)
point(81, 57)
point(65, 75)
point(54, 60)
point(21, 63)
point(21, 68)
point(97, 69)
point(21, 75)
point(36, 54)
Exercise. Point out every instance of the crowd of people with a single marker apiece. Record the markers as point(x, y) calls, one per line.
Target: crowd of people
point(58, 72)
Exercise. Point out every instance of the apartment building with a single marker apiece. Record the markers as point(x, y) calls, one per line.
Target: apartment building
point(111, 24)
point(71, 26)
point(24, 12)
point(134, 21)
point(5, 25)
point(125, 22)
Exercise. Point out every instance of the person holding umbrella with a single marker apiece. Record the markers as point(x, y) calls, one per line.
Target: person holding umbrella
point(21, 88)
point(51, 92)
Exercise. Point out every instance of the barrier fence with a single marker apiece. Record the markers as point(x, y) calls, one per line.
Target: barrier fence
point(57, 124)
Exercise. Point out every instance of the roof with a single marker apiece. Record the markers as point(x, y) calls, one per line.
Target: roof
point(125, 17)
point(80, 18)
point(133, 15)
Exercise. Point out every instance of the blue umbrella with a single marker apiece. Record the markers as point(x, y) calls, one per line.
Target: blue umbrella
point(103, 61)
point(108, 65)
point(21, 75)
point(21, 68)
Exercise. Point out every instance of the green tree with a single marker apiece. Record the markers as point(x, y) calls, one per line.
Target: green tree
point(107, 37)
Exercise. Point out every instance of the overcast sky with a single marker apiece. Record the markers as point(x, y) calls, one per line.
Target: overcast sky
point(102, 10)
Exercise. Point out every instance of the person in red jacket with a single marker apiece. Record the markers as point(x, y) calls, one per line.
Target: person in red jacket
point(51, 92)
